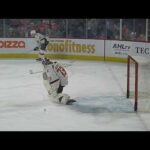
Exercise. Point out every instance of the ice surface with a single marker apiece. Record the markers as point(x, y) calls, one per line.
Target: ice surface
point(98, 87)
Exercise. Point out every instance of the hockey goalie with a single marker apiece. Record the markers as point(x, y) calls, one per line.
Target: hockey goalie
point(55, 78)
point(42, 42)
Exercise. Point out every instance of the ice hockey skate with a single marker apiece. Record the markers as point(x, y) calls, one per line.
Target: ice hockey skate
point(70, 102)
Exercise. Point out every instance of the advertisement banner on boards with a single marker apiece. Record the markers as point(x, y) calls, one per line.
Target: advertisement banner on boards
point(117, 48)
point(140, 49)
point(56, 46)
point(76, 47)
point(16, 45)
point(122, 49)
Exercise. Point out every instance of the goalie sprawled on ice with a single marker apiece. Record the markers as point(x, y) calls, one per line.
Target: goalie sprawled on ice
point(55, 78)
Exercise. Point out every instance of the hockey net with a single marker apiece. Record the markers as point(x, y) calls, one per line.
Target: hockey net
point(138, 82)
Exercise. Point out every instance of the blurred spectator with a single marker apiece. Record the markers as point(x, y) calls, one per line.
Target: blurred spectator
point(132, 29)
point(140, 29)
point(54, 32)
point(125, 33)
point(132, 36)
point(42, 27)
point(92, 27)
point(141, 38)
point(57, 28)
point(113, 29)
point(10, 32)
point(1, 27)
point(101, 29)
point(96, 28)
point(76, 28)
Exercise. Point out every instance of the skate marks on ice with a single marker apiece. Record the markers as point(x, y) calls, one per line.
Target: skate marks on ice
point(6, 107)
point(93, 105)
point(102, 104)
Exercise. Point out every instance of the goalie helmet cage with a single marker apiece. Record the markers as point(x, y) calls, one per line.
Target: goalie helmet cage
point(138, 83)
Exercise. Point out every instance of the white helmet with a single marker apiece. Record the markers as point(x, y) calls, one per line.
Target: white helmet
point(33, 32)
point(46, 61)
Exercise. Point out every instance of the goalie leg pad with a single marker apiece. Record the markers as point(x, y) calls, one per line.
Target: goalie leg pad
point(52, 91)
point(63, 98)
point(51, 88)
point(47, 86)
point(45, 76)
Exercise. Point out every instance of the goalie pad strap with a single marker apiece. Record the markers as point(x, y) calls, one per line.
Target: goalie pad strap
point(54, 81)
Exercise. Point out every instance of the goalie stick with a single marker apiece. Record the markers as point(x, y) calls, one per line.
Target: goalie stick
point(34, 72)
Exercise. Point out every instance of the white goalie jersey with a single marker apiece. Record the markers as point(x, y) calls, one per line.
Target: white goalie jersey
point(56, 72)
point(55, 78)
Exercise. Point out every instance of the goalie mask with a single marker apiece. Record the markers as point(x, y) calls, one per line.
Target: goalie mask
point(46, 61)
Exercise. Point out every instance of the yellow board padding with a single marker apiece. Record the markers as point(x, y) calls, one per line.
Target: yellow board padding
point(55, 56)
point(14, 55)
point(77, 57)
point(60, 56)
point(116, 59)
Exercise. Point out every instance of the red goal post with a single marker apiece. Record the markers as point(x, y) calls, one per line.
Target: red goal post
point(137, 79)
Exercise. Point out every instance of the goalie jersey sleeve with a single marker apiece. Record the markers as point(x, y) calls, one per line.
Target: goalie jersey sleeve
point(61, 73)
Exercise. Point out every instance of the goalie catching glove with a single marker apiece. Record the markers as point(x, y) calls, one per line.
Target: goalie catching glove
point(36, 49)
